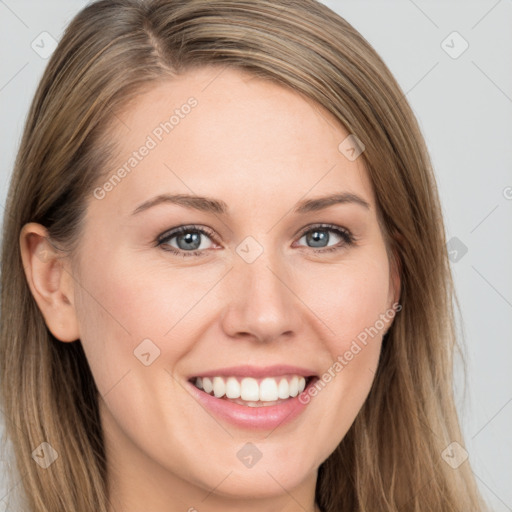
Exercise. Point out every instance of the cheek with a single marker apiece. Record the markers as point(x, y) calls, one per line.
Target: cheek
point(127, 309)
point(349, 299)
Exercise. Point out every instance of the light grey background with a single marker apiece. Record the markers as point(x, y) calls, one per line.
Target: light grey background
point(464, 106)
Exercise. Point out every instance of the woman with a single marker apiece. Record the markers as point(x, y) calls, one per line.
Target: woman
point(255, 369)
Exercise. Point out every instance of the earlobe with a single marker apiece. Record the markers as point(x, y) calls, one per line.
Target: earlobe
point(49, 281)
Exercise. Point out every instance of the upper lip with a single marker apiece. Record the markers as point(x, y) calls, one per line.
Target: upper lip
point(257, 371)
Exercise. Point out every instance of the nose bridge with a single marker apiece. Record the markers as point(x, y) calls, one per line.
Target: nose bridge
point(262, 303)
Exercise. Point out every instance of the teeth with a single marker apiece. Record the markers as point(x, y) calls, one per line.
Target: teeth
point(250, 390)
point(219, 387)
point(268, 390)
point(283, 389)
point(294, 386)
point(207, 385)
point(232, 388)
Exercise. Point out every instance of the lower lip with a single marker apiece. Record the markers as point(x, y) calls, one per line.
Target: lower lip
point(264, 417)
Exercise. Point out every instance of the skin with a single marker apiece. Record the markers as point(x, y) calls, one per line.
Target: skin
point(261, 148)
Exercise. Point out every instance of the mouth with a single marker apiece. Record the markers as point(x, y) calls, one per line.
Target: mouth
point(254, 392)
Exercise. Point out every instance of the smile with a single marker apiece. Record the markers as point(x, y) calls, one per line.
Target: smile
point(253, 392)
point(258, 402)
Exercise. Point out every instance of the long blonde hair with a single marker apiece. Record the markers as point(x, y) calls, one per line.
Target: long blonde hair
point(391, 458)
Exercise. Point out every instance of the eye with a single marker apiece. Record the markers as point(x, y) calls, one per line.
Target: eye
point(319, 236)
point(187, 237)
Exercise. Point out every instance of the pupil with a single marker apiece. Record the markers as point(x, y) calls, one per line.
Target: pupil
point(317, 237)
point(193, 239)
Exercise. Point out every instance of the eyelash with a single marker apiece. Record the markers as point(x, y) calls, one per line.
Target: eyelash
point(349, 238)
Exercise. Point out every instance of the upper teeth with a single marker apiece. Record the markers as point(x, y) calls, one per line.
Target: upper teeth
point(267, 390)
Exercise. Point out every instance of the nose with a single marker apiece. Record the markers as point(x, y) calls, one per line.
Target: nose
point(262, 304)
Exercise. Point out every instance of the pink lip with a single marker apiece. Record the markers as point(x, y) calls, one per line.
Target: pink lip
point(265, 417)
point(257, 371)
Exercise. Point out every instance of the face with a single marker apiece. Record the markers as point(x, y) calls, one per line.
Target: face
point(252, 283)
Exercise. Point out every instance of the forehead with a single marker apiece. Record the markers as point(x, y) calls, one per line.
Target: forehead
point(228, 134)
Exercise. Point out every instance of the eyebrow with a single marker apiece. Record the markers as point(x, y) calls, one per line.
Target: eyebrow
point(211, 205)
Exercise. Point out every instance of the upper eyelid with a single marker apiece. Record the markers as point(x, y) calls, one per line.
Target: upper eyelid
point(326, 226)
point(176, 231)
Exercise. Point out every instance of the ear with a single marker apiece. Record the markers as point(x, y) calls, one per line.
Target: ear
point(49, 280)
